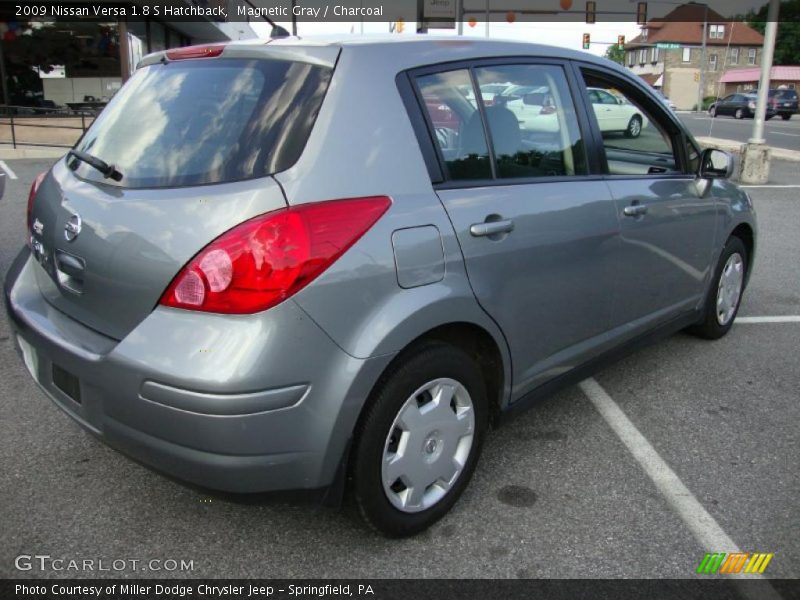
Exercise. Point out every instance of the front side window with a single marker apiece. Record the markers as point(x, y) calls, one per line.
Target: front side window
point(637, 140)
point(533, 126)
point(452, 108)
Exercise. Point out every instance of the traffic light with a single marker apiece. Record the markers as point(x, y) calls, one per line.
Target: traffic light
point(591, 12)
point(641, 13)
point(587, 41)
point(621, 42)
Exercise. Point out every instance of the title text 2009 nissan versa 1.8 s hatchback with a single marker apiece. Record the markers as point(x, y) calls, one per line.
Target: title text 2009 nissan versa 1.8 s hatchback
point(299, 265)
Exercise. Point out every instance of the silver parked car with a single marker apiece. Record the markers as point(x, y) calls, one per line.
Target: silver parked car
point(319, 266)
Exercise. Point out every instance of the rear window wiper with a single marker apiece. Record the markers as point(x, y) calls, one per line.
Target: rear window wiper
point(108, 171)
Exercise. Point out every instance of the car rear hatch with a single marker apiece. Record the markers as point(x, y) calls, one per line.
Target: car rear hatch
point(195, 143)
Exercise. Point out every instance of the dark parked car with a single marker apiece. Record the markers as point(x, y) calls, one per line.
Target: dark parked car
point(739, 106)
point(783, 102)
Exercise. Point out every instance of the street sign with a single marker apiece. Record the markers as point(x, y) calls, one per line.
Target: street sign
point(439, 14)
point(667, 46)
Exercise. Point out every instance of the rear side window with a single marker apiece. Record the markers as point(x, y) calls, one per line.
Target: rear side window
point(533, 125)
point(453, 112)
point(191, 122)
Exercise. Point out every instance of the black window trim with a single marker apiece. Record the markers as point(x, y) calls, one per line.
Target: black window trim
point(427, 137)
point(678, 134)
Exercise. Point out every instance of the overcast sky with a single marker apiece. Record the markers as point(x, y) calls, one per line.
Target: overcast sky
point(567, 35)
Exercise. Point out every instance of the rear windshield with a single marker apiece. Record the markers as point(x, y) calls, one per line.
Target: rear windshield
point(206, 121)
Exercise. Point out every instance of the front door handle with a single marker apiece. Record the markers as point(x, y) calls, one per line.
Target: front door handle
point(635, 210)
point(492, 228)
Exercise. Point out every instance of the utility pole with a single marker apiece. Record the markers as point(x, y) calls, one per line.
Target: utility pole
point(460, 16)
point(767, 55)
point(488, 17)
point(701, 92)
point(754, 166)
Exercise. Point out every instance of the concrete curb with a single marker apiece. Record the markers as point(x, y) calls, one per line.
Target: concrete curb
point(9, 153)
point(736, 147)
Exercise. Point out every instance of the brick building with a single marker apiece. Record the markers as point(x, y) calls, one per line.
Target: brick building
point(668, 52)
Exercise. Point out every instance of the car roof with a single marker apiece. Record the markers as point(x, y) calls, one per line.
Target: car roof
point(430, 49)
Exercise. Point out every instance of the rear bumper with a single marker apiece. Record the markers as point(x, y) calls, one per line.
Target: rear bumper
point(251, 403)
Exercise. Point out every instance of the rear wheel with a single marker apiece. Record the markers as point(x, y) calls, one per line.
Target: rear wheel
point(418, 443)
point(725, 295)
point(739, 113)
point(634, 129)
point(786, 117)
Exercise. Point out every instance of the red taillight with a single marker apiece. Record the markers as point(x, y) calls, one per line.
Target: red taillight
point(187, 52)
point(32, 195)
point(261, 262)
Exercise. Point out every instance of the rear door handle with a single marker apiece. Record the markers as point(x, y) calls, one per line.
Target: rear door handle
point(492, 228)
point(635, 210)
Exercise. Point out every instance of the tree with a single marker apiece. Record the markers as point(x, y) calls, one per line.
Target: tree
point(616, 54)
point(787, 48)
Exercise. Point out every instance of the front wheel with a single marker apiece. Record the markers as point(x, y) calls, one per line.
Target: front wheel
point(725, 296)
point(712, 111)
point(786, 117)
point(418, 442)
point(739, 113)
point(634, 129)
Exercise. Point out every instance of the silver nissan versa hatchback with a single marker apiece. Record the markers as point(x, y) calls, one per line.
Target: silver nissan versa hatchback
point(331, 265)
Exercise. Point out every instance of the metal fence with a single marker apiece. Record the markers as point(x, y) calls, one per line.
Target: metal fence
point(33, 126)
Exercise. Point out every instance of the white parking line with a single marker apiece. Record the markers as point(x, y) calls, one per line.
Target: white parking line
point(702, 525)
point(786, 319)
point(8, 170)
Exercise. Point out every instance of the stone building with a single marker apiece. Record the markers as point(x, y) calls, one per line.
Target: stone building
point(668, 52)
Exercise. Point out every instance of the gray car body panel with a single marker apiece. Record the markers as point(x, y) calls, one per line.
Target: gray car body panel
point(270, 401)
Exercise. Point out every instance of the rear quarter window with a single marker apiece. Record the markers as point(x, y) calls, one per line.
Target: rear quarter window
point(199, 122)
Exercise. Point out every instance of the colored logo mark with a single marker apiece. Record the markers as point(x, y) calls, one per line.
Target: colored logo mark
point(737, 562)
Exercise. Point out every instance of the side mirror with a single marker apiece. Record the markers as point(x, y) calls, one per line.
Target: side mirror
point(532, 100)
point(715, 164)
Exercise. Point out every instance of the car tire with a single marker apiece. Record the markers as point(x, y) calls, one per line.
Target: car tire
point(786, 117)
point(429, 439)
point(713, 112)
point(739, 114)
point(723, 299)
point(634, 129)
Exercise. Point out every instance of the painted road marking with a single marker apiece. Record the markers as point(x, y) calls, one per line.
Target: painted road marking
point(8, 170)
point(702, 525)
point(786, 319)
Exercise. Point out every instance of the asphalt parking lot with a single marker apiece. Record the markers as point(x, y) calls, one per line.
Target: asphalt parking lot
point(557, 493)
point(777, 132)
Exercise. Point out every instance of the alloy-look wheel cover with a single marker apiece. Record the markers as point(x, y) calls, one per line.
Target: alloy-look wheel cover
point(729, 291)
point(428, 445)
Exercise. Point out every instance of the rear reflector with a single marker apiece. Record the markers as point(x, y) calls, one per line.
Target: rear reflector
point(207, 51)
point(32, 196)
point(265, 260)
